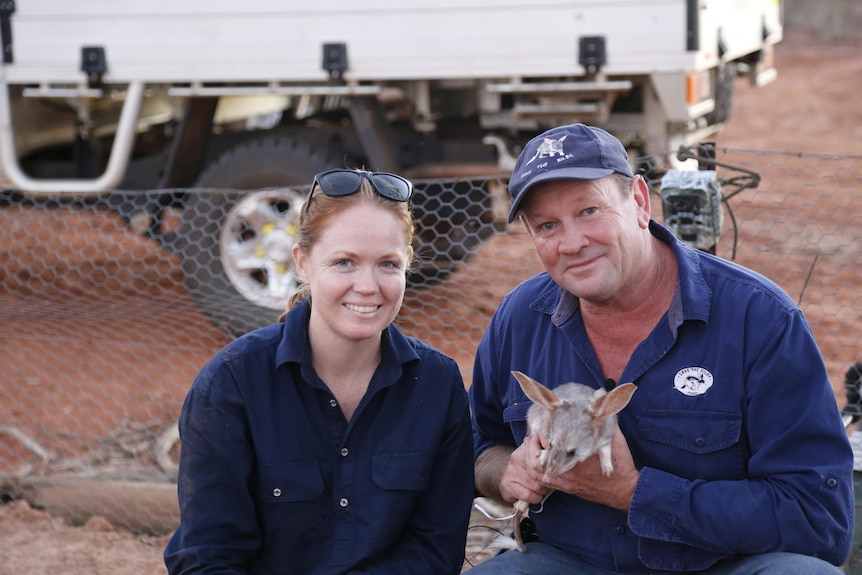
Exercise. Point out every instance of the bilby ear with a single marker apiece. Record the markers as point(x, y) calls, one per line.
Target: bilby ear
point(538, 392)
point(612, 402)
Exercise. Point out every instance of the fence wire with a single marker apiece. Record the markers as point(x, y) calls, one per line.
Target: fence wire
point(110, 306)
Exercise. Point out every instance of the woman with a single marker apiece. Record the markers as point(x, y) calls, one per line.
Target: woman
point(330, 442)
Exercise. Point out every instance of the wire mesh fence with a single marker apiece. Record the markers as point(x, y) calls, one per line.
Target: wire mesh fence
point(110, 306)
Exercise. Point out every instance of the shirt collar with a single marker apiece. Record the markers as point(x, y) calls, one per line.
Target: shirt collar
point(692, 297)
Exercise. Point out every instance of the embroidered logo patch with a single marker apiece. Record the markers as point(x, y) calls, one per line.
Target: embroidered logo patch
point(548, 149)
point(692, 381)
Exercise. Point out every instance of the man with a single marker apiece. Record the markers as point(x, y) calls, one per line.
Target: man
point(731, 457)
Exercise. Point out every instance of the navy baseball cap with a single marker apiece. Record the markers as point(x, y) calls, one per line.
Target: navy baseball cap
point(573, 152)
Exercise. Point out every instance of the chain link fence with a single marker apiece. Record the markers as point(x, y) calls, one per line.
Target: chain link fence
point(110, 306)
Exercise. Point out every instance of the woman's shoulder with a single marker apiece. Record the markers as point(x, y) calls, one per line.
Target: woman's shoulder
point(409, 347)
point(427, 351)
point(251, 347)
point(264, 338)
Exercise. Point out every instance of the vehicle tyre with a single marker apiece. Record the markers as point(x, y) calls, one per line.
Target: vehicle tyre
point(725, 77)
point(238, 229)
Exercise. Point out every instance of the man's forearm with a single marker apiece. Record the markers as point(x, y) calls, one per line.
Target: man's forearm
point(489, 471)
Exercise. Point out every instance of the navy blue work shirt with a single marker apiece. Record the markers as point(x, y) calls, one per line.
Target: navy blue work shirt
point(274, 479)
point(734, 426)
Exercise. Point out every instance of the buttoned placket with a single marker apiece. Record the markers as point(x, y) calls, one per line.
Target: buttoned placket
point(343, 491)
point(343, 502)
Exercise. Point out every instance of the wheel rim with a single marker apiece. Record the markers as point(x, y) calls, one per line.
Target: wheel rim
point(256, 246)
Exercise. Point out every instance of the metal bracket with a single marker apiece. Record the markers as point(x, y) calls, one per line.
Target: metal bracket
point(7, 8)
point(592, 54)
point(94, 64)
point(335, 59)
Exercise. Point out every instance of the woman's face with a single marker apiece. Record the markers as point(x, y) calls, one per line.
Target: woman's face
point(356, 272)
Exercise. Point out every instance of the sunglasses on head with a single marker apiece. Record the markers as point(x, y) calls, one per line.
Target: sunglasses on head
point(337, 183)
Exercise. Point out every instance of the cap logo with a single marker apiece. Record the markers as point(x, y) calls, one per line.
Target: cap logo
point(548, 149)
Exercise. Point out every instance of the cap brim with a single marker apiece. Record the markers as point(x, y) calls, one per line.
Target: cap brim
point(560, 174)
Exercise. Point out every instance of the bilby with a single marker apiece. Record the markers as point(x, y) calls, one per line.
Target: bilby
point(577, 421)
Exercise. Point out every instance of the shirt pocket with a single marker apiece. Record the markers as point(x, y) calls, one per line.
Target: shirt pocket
point(290, 482)
point(515, 416)
point(694, 444)
point(400, 481)
point(291, 495)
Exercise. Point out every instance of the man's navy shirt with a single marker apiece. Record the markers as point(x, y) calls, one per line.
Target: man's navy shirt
point(734, 426)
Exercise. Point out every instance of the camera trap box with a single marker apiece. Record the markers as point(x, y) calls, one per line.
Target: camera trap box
point(691, 205)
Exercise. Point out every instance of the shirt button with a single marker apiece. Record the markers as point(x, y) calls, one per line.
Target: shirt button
point(343, 502)
point(344, 452)
point(276, 492)
point(621, 530)
point(333, 403)
point(831, 482)
point(699, 442)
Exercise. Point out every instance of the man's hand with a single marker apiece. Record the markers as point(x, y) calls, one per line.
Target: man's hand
point(521, 479)
point(587, 481)
point(504, 474)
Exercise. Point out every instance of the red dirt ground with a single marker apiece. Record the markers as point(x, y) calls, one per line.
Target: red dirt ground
point(812, 107)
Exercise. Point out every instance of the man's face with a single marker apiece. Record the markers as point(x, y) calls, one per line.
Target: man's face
point(589, 235)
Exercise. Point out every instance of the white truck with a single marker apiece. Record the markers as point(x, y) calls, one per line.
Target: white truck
point(213, 97)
